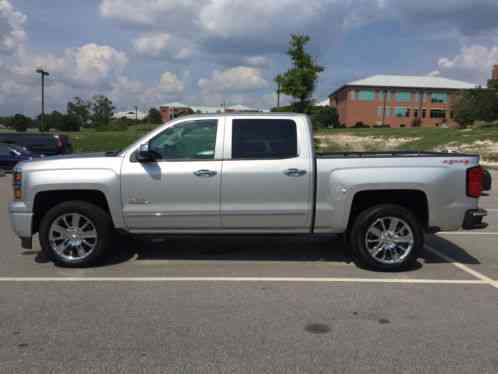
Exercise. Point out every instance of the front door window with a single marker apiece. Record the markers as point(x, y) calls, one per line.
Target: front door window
point(193, 140)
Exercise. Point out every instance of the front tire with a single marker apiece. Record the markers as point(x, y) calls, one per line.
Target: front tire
point(75, 234)
point(387, 238)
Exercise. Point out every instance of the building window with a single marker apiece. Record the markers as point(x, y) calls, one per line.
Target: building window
point(389, 95)
point(452, 114)
point(426, 97)
point(437, 113)
point(366, 95)
point(415, 113)
point(424, 113)
point(439, 98)
point(408, 112)
point(353, 95)
point(401, 112)
point(403, 96)
point(380, 111)
point(418, 97)
point(381, 95)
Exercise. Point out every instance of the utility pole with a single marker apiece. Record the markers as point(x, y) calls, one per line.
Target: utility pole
point(136, 113)
point(43, 74)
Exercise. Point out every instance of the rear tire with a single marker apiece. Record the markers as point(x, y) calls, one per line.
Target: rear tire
point(386, 238)
point(76, 234)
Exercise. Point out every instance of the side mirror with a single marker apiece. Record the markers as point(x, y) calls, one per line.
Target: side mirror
point(146, 155)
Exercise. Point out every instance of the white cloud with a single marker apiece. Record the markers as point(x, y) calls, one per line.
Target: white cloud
point(238, 79)
point(88, 65)
point(127, 92)
point(257, 61)
point(169, 83)
point(151, 44)
point(149, 12)
point(95, 62)
point(157, 44)
point(12, 33)
point(474, 63)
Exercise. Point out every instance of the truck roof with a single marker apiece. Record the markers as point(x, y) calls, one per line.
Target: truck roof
point(241, 114)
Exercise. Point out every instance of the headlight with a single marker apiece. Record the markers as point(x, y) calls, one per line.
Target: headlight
point(17, 184)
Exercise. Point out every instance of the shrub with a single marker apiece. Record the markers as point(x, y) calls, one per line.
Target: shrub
point(324, 117)
point(360, 125)
point(416, 122)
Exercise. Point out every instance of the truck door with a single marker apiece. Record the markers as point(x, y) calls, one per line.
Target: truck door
point(267, 176)
point(180, 191)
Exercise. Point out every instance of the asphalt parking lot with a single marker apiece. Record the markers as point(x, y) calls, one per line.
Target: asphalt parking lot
point(251, 305)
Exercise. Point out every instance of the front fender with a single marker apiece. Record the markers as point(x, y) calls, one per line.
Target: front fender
point(105, 181)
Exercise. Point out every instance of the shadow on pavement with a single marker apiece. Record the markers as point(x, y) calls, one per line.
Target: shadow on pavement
point(257, 248)
point(240, 248)
point(448, 248)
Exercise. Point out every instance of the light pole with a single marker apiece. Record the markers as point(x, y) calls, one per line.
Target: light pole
point(136, 113)
point(43, 74)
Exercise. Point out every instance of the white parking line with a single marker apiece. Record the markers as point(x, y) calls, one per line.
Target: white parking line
point(238, 280)
point(463, 267)
point(468, 233)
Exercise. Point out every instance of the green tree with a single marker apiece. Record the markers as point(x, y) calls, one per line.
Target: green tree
point(299, 81)
point(20, 122)
point(154, 116)
point(78, 111)
point(476, 105)
point(102, 109)
point(493, 84)
point(324, 117)
point(54, 120)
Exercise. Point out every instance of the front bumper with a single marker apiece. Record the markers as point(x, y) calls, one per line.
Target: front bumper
point(21, 222)
point(473, 219)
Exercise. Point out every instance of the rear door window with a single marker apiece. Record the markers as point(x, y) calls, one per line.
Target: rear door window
point(264, 139)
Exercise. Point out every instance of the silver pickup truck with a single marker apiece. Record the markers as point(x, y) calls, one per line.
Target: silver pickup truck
point(244, 174)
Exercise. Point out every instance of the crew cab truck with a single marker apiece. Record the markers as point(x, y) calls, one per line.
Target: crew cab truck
point(244, 174)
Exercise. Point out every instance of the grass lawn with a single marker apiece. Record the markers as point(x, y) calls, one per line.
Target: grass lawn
point(97, 141)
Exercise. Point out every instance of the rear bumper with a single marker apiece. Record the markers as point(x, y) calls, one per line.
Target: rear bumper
point(473, 219)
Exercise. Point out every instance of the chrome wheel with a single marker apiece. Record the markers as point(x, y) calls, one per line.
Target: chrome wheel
point(389, 240)
point(73, 236)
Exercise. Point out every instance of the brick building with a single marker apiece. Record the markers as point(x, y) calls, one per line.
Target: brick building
point(398, 101)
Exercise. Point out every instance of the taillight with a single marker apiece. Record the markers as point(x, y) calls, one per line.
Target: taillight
point(474, 181)
point(60, 144)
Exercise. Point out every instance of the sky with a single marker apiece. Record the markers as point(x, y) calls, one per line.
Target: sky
point(209, 52)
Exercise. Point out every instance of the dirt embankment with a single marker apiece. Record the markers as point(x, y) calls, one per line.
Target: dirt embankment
point(361, 143)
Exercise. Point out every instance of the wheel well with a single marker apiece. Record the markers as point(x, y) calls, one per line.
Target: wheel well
point(413, 200)
point(48, 199)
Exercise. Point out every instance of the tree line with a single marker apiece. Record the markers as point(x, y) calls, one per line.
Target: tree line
point(96, 113)
point(478, 105)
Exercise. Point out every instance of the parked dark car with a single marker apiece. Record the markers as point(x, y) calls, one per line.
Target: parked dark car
point(41, 144)
point(11, 154)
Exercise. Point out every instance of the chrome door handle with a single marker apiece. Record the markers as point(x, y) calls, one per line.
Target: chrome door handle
point(295, 172)
point(205, 173)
